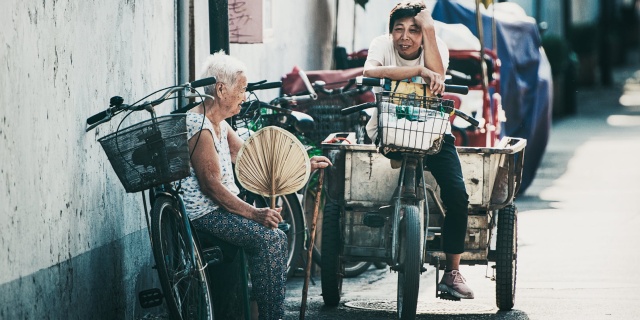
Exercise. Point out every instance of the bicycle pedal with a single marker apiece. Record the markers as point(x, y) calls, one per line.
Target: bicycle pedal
point(150, 298)
point(213, 255)
point(447, 296)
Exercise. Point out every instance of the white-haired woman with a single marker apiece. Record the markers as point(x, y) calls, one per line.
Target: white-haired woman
point(210, 192)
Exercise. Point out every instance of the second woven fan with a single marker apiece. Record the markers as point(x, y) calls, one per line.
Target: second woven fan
point(272, 162)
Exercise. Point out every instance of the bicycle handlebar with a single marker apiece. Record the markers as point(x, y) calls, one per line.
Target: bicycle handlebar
point(356, 108)
point(263, 85)
point(312, 93)
point(367, 105)
point(203, 82)
point(386, 83)
point(116, 104)
point(466, 117)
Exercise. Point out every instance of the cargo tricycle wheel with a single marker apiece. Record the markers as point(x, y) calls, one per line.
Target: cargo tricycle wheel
point(331, 266)
point(410, 260)
point(506, 257)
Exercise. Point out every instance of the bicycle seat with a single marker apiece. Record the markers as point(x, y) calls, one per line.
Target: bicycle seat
point(229, 251)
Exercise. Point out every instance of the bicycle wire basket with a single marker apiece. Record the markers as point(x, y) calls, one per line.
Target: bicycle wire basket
point(149, 153)
point(326, 114)
point(411, 123)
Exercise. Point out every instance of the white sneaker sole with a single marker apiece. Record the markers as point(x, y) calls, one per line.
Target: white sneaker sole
point(443, 287)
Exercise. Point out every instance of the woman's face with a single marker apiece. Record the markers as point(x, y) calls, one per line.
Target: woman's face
point(235, 95)
point(407, 38)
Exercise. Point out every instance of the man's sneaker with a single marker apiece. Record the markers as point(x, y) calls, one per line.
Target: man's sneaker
point(453, 282)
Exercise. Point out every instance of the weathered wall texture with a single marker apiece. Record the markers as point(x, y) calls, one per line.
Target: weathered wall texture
point(301, 35)
point(72, 242)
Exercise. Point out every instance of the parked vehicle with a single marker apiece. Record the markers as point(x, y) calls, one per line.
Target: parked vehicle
point(362, 223)
point(282, 111)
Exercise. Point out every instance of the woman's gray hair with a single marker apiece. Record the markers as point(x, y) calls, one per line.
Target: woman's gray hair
point(224, 68)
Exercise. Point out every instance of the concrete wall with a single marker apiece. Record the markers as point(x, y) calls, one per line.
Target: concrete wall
point(73, 244)
point(355, 31)
point(585, 11)
point(300, 35)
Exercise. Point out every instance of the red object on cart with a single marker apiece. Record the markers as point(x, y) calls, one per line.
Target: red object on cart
point(465, 69)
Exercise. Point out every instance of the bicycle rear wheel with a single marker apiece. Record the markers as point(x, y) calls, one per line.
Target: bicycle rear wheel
point(410, 259)
point(331, 267)
point(355, 268)
point(184, 283)
point(291, 214)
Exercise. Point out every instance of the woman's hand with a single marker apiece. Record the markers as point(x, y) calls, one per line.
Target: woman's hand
point(435, 80)
point(319, 162)
point(267, 217)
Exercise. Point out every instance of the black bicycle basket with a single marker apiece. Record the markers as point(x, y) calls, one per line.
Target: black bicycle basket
point(325, 111)
point(149, 153)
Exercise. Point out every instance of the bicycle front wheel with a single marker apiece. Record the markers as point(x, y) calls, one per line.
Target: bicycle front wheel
point(410, 260)
point(180, 269)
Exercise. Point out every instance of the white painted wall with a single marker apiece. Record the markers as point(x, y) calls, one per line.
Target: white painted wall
point(301, 35)
point(60, 61)
point(585, 11)
point(552, 14)
point(67, 228)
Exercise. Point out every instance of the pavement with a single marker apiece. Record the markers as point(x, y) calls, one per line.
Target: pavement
point(578, 224)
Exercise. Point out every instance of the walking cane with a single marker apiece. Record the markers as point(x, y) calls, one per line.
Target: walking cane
point(305, 288)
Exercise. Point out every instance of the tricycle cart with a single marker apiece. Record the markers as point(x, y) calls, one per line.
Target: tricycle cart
point(360, 221)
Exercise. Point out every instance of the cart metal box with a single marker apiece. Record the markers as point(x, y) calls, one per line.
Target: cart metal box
point(362, 180)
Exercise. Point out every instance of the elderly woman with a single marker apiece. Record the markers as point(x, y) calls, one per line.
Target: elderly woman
point(210, 192)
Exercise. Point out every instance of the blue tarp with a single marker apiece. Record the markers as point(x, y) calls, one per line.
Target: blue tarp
point(525, 77)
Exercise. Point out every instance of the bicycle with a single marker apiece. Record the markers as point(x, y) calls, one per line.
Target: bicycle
point(396, 233)
point(256, 114)
point(282, 112)
point(152, 155)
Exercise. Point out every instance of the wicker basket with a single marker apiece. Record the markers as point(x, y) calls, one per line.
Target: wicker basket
point(149, 153)
point(412, 123)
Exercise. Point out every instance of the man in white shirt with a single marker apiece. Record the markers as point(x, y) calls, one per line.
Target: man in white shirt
point(411, 50)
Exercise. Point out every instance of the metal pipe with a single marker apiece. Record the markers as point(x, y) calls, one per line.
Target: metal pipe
point(218, 26)
point(182, 31)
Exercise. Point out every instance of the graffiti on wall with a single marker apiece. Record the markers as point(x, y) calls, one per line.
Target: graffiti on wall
point(245, 21)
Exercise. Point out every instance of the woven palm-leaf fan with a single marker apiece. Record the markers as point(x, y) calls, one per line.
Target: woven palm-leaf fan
point(272, 162)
